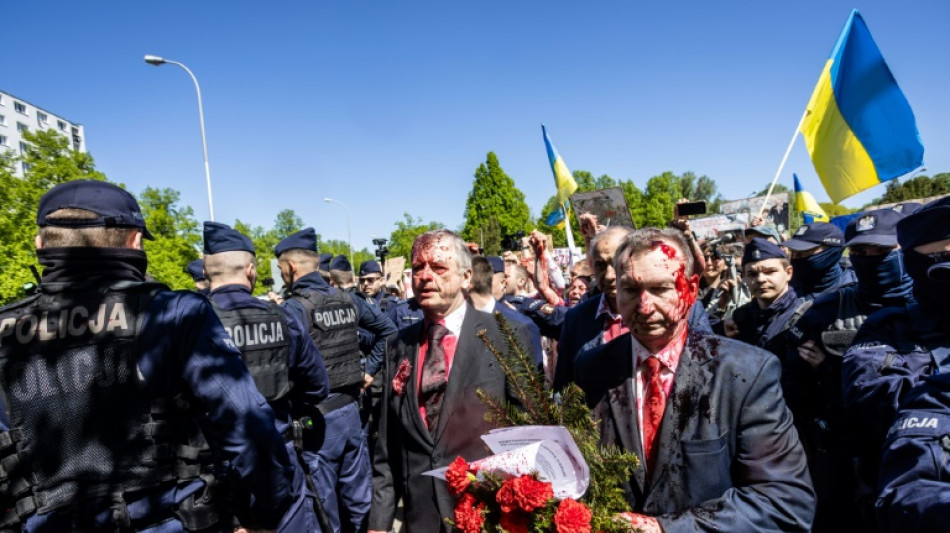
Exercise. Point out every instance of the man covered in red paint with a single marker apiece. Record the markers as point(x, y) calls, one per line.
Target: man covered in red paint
point(705, 414)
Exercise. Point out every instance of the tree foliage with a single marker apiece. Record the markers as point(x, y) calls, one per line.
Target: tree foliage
point(177, 236)
point(50, 162)
point(915, 188)
point(400, 240)
point(494, 196)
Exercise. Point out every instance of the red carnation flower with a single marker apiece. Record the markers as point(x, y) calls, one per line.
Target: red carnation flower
point(468, 516)
point(458, 477)
point(506, 496)
point(531, 493)
point(572, 517)
point(402, 374)
point(516, 522)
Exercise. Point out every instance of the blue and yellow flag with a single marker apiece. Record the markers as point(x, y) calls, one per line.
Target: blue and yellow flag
point(556, 218)
point(562, 176)
point(859, 127)
point(806, 205)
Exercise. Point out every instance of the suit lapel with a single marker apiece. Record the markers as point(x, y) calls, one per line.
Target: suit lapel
point(411, 407)
point(623, 408)
point(682, 407)
point(462, 370)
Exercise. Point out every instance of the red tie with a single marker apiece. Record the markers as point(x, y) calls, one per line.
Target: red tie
point(654, 402)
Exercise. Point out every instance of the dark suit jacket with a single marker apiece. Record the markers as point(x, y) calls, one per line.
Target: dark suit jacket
point(405, 448)
point(728, 456)
point(534, 350)
point(580, 328)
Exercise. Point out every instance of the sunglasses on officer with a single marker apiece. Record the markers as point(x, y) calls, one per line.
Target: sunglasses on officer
point(365, 280)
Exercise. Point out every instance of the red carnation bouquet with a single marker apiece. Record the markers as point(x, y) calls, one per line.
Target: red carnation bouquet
point(517, 493)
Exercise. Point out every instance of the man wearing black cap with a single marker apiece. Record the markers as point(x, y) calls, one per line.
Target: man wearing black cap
point(97, 372)
point(371, 285)
point(324, 267)
point(893, 352)
point(341, 274)
point(196, 269)
point(816, 254)
point(336, 454)
point(771, 316)
point(812, 374)
point(281, 356)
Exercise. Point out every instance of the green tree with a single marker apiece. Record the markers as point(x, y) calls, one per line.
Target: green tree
point(49, 162)
point(494, 195)
point(177, 236)
point(401, 238)
point(915, 188)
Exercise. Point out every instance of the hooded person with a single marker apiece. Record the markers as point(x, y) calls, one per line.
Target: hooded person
point(816, 251)
point(896, 349)
point(812, 373)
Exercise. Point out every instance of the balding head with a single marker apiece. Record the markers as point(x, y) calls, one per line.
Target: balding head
point(230, 268)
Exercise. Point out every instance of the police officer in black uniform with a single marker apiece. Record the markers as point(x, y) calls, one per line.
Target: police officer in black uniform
point(897, 348)
point(103, 378)
point(816, 257)
point(371, 285)
point(341, 275)
point(338, 459)
point(282, 358)
point(812, 371)
point(196, 269)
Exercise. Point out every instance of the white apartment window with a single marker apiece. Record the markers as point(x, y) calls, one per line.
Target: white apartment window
point(3, 140)
point(3, 120)
point(20, 108)
point(61, 125)
point(26, 167)
point(23, 147)
point(21, 127)
point(42, 119)
point(3, 101)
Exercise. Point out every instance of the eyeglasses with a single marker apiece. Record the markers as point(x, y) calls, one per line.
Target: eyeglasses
point(372, 279)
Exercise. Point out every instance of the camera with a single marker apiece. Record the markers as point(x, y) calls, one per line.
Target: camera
point(512, 241)
point(381, 250)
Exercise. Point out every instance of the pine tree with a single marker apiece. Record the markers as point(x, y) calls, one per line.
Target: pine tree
point(494, 195)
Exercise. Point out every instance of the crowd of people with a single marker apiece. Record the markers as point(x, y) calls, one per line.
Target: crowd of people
point(766, 384)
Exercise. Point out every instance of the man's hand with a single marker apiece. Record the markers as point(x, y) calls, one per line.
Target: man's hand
point(367, 380)
point(811, 353)
point(756, 221)
point(731, 329)
point(726, 293)
point(537, 241)
point(642, 523)
point(589, 226)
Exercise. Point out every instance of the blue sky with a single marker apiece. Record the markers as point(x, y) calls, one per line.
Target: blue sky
point(390, 106)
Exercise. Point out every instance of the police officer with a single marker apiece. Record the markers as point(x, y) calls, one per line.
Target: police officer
point(816, 257)
point(196, 269)
point(341, 275)
point(371, 285)
point(813, 368)
point(771, 316)
point(338, 458)
point(404, 313)
point(97, 372)
point(324, 267)
point(897, 347)
point(281, 356)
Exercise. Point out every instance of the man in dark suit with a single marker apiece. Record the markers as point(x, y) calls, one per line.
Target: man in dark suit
point(704, 413)
point(434, 367)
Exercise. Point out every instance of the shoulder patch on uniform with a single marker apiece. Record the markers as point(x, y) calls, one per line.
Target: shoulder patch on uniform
point(919, 424)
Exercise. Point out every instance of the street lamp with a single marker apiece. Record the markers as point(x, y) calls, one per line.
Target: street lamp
point(159, 61)
point(349, 237)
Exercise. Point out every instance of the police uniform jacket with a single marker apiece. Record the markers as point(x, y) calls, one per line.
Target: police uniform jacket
point(404, 313)
point(307, 373)
point(915, 470)
point(368, 317)
point(728, 456)
point(183, 349)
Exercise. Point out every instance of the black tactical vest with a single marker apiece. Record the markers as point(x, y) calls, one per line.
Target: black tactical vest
point(333, 320)
point(83, 426)
point(262, 337)
point(838, 337)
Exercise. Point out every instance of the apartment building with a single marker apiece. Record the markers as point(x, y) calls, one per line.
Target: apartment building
point(17, 115)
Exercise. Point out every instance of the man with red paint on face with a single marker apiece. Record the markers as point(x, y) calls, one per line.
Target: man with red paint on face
point(704, 413)
point(433, 370)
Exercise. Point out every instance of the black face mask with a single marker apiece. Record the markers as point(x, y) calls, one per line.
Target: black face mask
point(81, 263)
point(882, 277)
point(931, 275)
point(818, 272)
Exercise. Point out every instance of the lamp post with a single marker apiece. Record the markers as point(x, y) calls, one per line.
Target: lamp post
point(159, 61)
point(349, 237)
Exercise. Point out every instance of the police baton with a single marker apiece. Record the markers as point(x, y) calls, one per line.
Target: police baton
point(299, 425)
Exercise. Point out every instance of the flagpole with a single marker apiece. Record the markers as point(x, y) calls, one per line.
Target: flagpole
point(570, 234)
point(782, 164)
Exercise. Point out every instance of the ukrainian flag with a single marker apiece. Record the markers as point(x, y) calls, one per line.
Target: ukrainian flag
point(806, 205)
point(562, 176)
point(858, 127)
